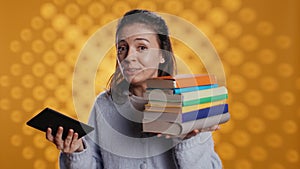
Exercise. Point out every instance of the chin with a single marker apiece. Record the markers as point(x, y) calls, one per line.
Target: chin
point(136, 80)
point(140, 77)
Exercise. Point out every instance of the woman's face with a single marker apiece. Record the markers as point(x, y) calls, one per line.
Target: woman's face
point(138, 53)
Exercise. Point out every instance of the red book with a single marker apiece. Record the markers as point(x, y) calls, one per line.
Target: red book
point(181, 81)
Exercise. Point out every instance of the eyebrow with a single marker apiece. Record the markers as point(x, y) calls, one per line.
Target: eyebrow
point(137, 39)
point(122, 40)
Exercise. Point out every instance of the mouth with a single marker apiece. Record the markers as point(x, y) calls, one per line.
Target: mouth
point(131, 71)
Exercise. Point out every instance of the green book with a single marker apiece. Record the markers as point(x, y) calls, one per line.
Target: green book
point(188, 98)
point(204, 100)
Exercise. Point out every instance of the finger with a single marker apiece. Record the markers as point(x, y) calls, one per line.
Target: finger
point(49, 135)
point(69, 138)
point(167, 136)
point(77, 144)
point(158, 135)
point(196, 131)
point(58, 138)
point(214, 128)
point(74, 142)
point(218, 127)
point(59, 133)
point(75, 137)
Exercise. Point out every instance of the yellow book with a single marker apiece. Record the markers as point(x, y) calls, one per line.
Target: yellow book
point(179, 109)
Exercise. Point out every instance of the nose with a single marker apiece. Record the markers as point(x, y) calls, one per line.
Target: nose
point(131, 55)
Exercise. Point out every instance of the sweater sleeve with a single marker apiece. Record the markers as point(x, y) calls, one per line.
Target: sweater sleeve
point(197, 153)
point(90, 157)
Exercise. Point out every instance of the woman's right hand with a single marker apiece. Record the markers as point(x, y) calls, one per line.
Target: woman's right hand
point(70, 145)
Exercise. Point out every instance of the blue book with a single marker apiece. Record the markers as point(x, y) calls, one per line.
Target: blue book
point(194, 88)
point(183, 90)
point(188, 116)
point(203, 113)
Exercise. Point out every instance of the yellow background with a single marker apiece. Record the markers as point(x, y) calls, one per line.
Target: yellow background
point(258, 42)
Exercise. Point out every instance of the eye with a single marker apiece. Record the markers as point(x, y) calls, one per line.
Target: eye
point(122, 49)
point(142, 48)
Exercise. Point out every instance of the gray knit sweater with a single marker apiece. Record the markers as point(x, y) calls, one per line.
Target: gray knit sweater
point(118, 143)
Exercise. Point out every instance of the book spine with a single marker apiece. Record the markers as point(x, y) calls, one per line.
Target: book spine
point(157, 95)
point(163, 109)
point(185, 117)
point(202, 123)
point(204, 100)
point(164, 104)
point(203, 113)
point(194, 88)
point(181, 109)
point(202, 106)
point(161, 83)
point(204, 93)
point(178, 129)
point(162, 127)
point(196, 81)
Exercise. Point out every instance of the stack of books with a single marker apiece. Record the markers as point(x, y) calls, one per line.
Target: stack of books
point(179, 104)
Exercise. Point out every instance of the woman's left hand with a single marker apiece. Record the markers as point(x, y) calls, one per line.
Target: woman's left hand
point(195, 132)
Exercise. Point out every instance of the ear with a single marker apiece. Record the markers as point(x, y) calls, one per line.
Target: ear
point(162, 60)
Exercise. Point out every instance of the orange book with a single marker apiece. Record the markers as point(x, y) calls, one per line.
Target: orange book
point(181, 81)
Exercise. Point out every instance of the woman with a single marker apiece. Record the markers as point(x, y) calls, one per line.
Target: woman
point(143, 51)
